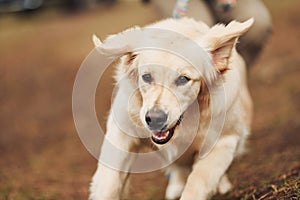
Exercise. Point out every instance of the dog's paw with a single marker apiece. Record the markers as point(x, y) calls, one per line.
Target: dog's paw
point(174, 191)
point(224, 185)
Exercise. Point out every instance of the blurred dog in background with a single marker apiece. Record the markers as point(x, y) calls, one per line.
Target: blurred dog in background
point(224, 11)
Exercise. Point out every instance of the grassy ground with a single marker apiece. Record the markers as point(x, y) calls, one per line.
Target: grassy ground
point(41, 154)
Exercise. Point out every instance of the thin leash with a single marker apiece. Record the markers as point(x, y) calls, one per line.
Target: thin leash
point(180, 9)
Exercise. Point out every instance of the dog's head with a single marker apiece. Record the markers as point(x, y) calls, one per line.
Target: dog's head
point(168, 84)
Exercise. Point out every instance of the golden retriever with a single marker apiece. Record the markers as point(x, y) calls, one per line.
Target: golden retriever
point(154, 107)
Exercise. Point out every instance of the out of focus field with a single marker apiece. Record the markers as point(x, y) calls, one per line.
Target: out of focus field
point(41, 156)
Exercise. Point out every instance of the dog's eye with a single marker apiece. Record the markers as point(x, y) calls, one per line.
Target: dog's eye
point(147, 78)
point(182, 80)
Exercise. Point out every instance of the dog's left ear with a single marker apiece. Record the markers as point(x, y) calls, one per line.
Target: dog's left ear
point(220, 40)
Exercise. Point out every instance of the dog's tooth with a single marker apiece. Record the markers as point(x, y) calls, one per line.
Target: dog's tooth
point(161, 135)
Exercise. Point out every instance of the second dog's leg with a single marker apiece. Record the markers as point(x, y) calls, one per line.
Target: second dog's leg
point(207, 172)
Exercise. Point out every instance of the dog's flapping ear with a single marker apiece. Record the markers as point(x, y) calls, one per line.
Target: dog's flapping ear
point(97, 41)
point(118, 44)
point(111, 47)
point(118, 47)
point(220, 40)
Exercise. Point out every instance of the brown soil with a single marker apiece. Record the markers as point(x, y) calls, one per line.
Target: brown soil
point(41, 154)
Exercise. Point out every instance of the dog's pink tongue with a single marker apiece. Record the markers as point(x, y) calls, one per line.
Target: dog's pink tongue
point(161, 134)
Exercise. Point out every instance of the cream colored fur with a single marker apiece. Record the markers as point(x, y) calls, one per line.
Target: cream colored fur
point(191, 178)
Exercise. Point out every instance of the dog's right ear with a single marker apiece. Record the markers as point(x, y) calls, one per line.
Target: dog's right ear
point(97, 41)
point(113, 47)
point(128, 67)
point(119, 44)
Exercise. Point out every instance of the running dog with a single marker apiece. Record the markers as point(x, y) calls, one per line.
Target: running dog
point(156, 93)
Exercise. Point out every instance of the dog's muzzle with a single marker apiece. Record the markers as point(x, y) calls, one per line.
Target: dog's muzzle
point(164, 136)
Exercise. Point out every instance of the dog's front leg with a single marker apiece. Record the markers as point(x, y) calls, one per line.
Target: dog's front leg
point(207, 172)
point(107, 182)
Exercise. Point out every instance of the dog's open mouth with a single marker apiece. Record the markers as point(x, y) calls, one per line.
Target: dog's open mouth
point(164, 136)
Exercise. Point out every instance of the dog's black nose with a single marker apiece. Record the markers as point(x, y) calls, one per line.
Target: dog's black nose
point(156, 119)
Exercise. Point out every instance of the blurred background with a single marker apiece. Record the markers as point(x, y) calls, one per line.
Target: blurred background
point(42, 44)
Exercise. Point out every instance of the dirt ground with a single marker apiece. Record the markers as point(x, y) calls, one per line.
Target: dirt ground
point(41, 154)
